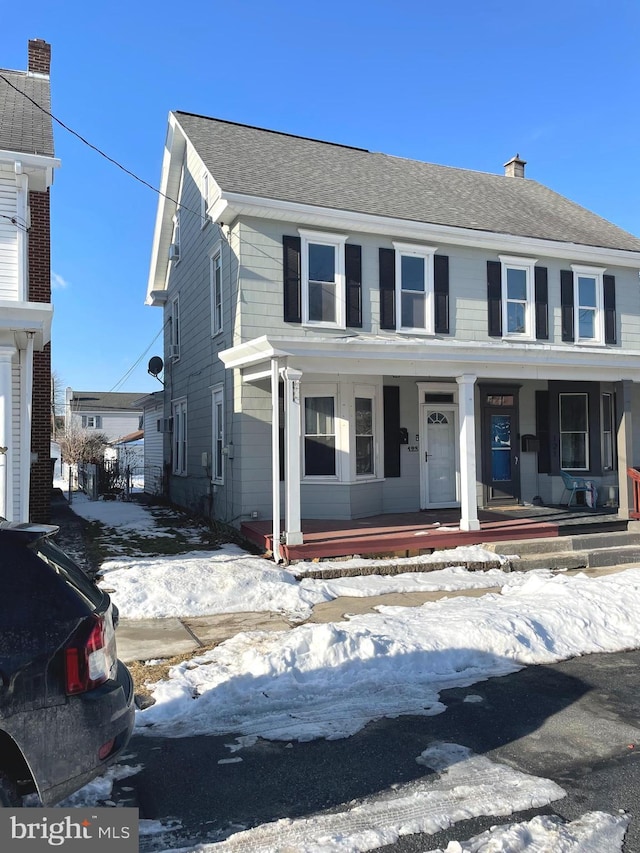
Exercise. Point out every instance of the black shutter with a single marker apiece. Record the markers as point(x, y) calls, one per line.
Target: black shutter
point(494, 297)
point(542, 431)
point(542, 303)
point(387, 290)
point(291, 279)
point(566, 301)
point(441, 293)
point(353, 274)
point(609, 283)
point(391, 410)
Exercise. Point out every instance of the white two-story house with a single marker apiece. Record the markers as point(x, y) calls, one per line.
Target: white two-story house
point(350, 333)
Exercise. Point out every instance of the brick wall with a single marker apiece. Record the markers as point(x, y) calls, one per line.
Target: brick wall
point(40, 291)
point(39, 56)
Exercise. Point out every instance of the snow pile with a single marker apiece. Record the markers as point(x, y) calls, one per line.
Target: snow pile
point(330, 680)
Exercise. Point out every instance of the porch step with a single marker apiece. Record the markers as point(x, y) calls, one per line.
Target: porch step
point(593, 550)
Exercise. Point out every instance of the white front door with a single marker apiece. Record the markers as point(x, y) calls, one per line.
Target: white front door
point(440, 456)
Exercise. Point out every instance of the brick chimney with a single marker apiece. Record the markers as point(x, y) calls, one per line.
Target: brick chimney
point(39, 56)
point(514, 168)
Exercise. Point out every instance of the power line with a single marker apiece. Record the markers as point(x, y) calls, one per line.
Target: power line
point(98, 150)
point(121, 381)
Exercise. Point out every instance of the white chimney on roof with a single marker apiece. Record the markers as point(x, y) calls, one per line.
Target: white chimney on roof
point(514, 168)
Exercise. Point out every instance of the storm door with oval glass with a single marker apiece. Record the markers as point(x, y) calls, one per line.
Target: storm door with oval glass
point(440, 456)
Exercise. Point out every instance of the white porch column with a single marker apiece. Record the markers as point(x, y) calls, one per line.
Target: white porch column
point(26, 395)
point(468, 496)
point(293, 528)
point(275, 458)
point(625, 447)
point(6, 443)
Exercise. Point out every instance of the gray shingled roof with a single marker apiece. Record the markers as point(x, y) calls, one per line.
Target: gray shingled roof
point(105, 401)
point(268, 164)
point(24, 127)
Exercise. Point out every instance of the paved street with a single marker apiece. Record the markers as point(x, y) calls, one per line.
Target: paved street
point(575, 723)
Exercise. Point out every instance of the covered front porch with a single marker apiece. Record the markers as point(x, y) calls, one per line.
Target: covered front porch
point(414, 533)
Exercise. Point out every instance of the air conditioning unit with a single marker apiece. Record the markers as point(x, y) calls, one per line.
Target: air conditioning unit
point(174, 350)
point(174, 252)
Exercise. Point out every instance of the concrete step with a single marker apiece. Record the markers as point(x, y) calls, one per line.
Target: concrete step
point(556, 544)
point(578, 559)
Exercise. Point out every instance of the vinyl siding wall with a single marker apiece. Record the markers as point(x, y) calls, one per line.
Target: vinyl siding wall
point(8, 239)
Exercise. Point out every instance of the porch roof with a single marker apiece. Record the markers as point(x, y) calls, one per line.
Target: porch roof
point(423, 356)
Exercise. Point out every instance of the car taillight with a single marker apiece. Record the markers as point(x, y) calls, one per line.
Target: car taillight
point(88, 661)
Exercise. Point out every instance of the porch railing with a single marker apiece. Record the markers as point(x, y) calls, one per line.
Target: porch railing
point(634, 476)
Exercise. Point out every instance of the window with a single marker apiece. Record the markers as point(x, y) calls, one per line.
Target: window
point(204, 199)
point(365, 450)
point(175, 328)
point(217, 468)
point(588, 321)
point(319, 437)
point(179, 412)
point(574, 432)
point(414, 290)
point(518, 301)
point(323, 279)
point(174, 248)
point(215, 273)
point(91, 422)
point(607, 432)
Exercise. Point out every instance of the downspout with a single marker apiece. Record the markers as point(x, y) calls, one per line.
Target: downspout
point(26, 403)
point(275, 458)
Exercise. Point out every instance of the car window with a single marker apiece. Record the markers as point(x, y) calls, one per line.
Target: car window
point(62, 564)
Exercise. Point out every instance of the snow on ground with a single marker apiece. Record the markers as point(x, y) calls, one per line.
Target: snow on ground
point(330, 680)
point(230, 580)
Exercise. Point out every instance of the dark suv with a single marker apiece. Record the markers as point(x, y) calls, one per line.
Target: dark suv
point(66, 701)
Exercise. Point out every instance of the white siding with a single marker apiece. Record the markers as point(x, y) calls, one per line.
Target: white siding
point(15, 430)
point(153, 450)
point(8, 240)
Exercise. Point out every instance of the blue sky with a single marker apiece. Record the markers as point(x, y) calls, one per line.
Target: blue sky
point(464, 83)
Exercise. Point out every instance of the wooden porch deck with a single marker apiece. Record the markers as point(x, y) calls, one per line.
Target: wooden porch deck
point(414, 533)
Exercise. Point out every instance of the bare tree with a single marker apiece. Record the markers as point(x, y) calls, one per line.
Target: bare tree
point(79, 445)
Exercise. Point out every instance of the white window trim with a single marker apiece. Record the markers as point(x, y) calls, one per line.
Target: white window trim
point(216, 253)
point(177, 408)
point(417, 251)
point(217, 396)
point(528, 265)
point(597, 273)
point(373, 393)
point(324, 239)
point(175, 328)
point(610, 431)
point(322, 390)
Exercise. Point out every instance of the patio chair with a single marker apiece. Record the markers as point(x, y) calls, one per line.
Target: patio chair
point(575, 485)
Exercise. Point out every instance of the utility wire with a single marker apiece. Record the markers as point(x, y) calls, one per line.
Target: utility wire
point(98, 150)
point(121, 381)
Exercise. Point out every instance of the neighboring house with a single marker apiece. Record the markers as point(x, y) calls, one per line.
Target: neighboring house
point(153, 425)
point(114, 413)
point(26, 174)
point(419, 336)
point(128, 451)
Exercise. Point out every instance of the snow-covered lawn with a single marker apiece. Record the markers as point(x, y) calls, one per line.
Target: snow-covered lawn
point(330, 680)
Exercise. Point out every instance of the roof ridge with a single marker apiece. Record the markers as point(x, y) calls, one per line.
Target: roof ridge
point(275, 132)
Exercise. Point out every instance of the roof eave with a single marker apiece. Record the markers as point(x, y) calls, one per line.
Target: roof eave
point(231, 205)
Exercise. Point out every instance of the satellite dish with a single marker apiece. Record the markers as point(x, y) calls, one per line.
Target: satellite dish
point(156, 366)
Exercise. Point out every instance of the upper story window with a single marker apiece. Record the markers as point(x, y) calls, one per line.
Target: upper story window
point(414, 290)
point(174, 248)
point(518, 303)
point(204, 199)
point(323, 279)
point(588, 298)
point(215, 274)
point(175, 328)
point(517, 299)
point(91, 422)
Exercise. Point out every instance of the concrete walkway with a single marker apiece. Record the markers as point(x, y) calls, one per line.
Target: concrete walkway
point(152, 639)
